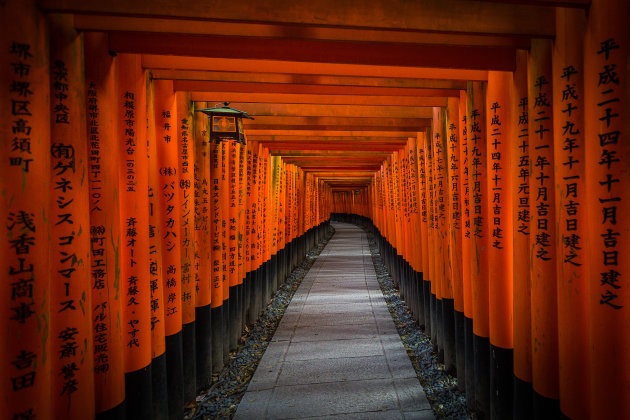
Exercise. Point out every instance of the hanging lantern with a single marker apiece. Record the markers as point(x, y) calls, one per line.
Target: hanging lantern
point(226, 123)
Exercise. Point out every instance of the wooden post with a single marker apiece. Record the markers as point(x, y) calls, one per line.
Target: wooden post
point(170, 220)
point(573, 316)
point(182, 123)
point(479, 225)
point(105, 225)
point(216, 240)
point(520, 179)
point(500, 251)
point(607, 153)
point(25, 189)
point(71, 325)
point(203, 207)
point(134, 216)
point(467, 377)
point(454, 259)
point(159, 383)
point(543, 232)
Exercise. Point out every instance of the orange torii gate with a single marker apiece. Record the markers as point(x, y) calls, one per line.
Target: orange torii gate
point(137, 247)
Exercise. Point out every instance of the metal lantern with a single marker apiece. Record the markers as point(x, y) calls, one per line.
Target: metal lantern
point(226, 123)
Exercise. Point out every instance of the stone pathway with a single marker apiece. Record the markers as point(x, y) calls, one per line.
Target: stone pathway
point(336, 352)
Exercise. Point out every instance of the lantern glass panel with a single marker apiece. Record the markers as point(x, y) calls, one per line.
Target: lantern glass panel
point(223, 124)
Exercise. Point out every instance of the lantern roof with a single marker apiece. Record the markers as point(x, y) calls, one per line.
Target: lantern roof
point(225, 110)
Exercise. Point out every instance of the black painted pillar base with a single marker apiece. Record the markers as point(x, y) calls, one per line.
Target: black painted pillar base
point(114, 413)
point(481, 348)
point(434, 324)
point(189, 361)
point(440, 329)
point(501, 382)
point(523, 399)
point(545, 408)
point(448, 323)
point(139, 403)
point(216, 319)
point(420, 298)
point(460, 351)
point(227, 327)
point(274, 275)
point(233, 327)
point(159, 389)
point(203, 345)
point(470, 363)
point(174, 377)
point(427, 306)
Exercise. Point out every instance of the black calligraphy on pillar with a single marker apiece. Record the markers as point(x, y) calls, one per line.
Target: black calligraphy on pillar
point(169, 237)
point(466, 178)
point(94, 145)
point(496, 173)
point(64, 169)
point(454, 177)
point(543, 168)
point(132, 281)
point(129, 138)
point(523, 214)
point(154, 263)
point(571, 134)
point(216, 220)
point(476, 155)
point(21, 227)
point(610, 142)
point(439, 178)
point(233, 200)
point(186, 230)
point(20, 104)
point(423, 184)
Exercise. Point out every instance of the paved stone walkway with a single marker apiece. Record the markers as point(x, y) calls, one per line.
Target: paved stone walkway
point(336, 352)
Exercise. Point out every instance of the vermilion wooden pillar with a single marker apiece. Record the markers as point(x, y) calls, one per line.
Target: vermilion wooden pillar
point(571, 241)
point(607, 126)
point(454, 260)
point(224, 194)
point(521, 191)
point(134, 214)
point(424, 229)
point(232, 243)
point(466, 378)
point(216, 241)
point(105, 225)
point(416, 221)
point(71, 326)
point(25, 186)
point(479, 231)
point(203, 246)
point(159, 384)
point(431, 199)
point(182, 125)
point(170, 221)
point(241, 235)
point(500, 249)
point(446, 307)
point(543, 232)
point(252, 151)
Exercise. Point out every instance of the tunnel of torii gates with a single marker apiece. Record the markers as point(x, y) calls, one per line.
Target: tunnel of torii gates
point(485, 144)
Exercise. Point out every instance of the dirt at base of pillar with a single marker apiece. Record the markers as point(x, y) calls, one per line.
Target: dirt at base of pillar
point(229, 386)
point(447, 401)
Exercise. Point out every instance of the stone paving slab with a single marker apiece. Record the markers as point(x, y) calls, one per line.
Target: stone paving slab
point(336, 353)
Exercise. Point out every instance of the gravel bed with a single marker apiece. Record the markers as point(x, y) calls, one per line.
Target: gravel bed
point(228, 387)
point(447, 401)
